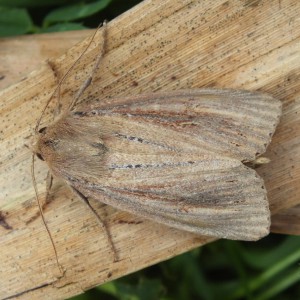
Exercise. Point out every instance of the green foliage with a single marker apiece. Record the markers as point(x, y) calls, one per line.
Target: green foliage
point(33, 3)
point(146, 289)
point(227, 270)
point(75, 11)
point(37, 16)
point(14, 21)
point(63, 27)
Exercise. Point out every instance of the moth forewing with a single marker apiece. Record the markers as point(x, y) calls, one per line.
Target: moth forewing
point(176, 158)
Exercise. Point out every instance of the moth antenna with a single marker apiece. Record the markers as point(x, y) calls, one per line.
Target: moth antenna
point(88, 81)
point(42, 215)
point(100, 222)
point(57, 89)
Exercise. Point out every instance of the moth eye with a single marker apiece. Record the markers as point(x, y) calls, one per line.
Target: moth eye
point(42, 130)
point(39, 156)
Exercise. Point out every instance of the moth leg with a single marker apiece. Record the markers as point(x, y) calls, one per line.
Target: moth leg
point(102, 224)
point(88, 81)
point(49, 184)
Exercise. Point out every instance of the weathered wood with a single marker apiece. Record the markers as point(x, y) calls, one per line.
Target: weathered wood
point(158, 45)
point(23, 54)
point(287, 221)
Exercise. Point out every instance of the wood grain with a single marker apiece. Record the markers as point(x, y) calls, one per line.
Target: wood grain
point(287, 221)
point(158, 45)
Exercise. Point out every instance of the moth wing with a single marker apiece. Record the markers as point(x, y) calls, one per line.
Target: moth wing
point(229, 201)
point(234, 123)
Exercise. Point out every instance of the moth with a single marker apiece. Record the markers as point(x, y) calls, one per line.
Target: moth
point(178, 158)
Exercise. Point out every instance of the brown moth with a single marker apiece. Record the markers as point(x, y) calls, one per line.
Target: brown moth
point(178, 158)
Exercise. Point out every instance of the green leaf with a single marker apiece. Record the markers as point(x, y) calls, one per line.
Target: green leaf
point(34, 3)
point(269, 256)
point(146, 289)
point(14, 21)
point(269, 274)
point(75, 11)
point(293, 277)
point(63, 27)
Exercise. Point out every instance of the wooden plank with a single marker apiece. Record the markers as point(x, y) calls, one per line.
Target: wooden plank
point(287, 221)
point(158, 45)
point(23, 54)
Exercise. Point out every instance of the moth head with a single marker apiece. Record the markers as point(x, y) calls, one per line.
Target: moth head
point(42, 144)
point(68, 147)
